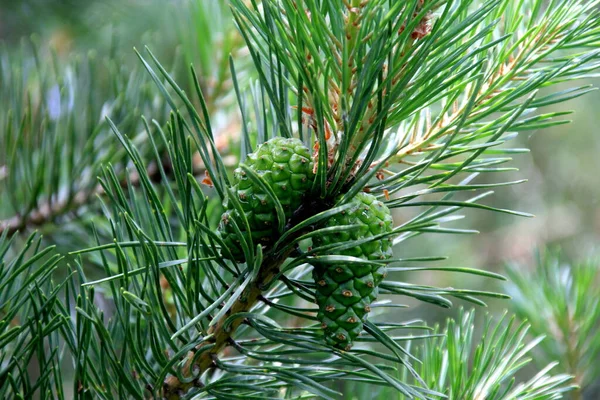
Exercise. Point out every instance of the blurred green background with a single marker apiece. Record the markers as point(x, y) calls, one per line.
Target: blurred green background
point(562, 167)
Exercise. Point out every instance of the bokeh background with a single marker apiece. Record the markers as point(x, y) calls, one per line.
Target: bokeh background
point(562, 166)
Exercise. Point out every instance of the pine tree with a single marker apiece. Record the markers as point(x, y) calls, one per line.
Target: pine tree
point(189, 276)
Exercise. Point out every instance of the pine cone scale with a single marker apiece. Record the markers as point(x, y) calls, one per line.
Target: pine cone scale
point(285, 166)
point(344, 292)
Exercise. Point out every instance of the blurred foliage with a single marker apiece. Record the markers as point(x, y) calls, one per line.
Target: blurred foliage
point(561, 301)
point(20, 18)
point(58, 88)
point(465, 364)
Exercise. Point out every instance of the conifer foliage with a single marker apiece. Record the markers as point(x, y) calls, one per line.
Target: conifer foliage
point(271, 280)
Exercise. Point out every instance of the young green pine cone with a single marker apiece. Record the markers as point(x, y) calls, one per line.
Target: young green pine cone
point(344, 292)
point(286, 166)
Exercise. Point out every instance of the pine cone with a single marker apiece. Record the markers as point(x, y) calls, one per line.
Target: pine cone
point(286, 166)
point(344, 292)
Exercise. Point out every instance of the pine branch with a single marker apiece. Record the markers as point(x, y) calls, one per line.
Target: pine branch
point(463, 364)
point(217, 329)
point(45, 213)
point(49, 212)
point(560, 301)
point(221, 333)
point(29, 319)
point(55, 138)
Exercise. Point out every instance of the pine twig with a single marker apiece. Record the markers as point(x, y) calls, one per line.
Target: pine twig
point(47, 211)
point(50, 210)
point(218, 335)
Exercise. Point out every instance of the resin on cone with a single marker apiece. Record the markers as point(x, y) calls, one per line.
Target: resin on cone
point(344, 292)
point(285, 165)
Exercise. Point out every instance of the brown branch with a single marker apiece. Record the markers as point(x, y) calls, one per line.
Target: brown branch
point(217, 336)
point(48, 211)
